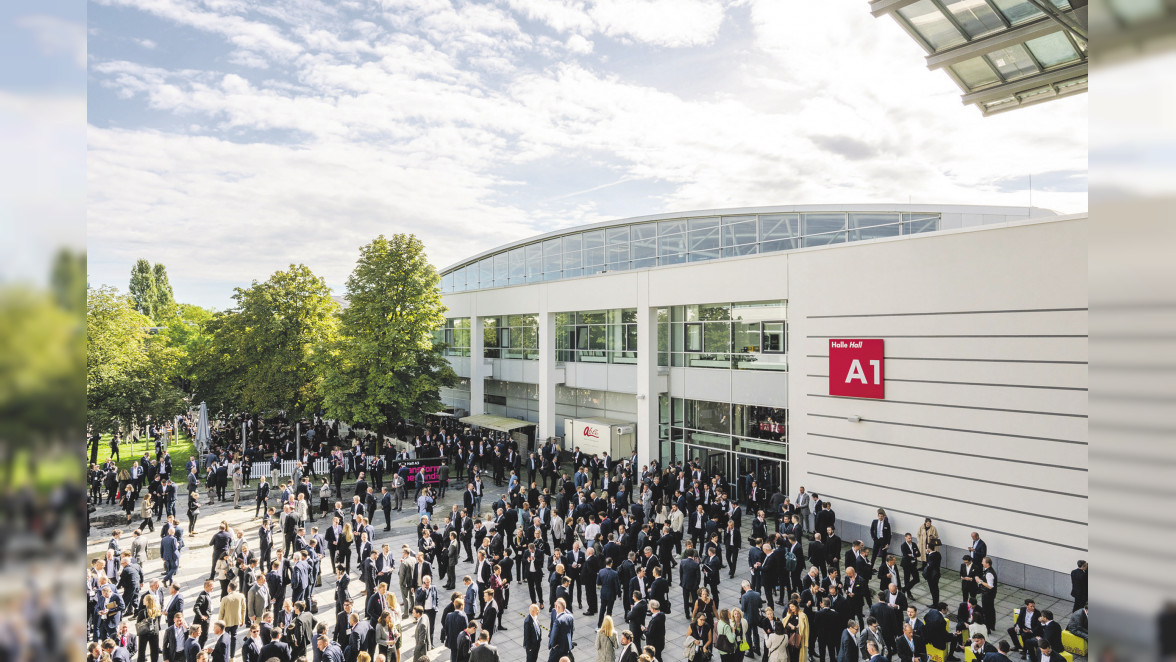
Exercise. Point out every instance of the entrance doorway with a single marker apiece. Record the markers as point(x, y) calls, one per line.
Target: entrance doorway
point(768, 465)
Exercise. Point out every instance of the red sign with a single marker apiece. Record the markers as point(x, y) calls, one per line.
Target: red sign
point(855, 368)
point(591, 432)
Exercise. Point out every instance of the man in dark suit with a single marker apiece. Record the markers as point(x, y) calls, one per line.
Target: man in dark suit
point(880, 533)
point(453, 623)
point(117, 653)
point(887, 617)
point(169, 551)
point(629, 650)
point(909, 645)
point(690, 578)
point(174, 639)
point(1026, 628)
point(1001, 656)
point(192, 645)
point(847, 650)
point(362, 637)
point(1051, 630)
point(750, 603)
point(979, 548)
point(490, 612)
point(980, 647)
point(655, 630)
point(732, 543)
point(855, 591)
point(342, 633)
point(588, 574)
point(465, 641)
point(610, 587)
point(935, 630)
point(483, 651)
point(828, 625)
point(221, 647)
point(636, 617)
point(276, 648)
point(1078, 585)
point(711, 572)
point(532, 633)
point(816, 553)
point(969, 571)
point(328, 651)
point(219, 543)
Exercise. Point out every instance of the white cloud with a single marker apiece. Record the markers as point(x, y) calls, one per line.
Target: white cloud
point(42, 181)
point(251, 37)
point(671, 23)
point(57, 35)
point(443, 120)
point(579, 45)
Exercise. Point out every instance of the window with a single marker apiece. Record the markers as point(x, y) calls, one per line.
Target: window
point(930, 23)
point(694, 337)
point(773, 337)
point(601, 336)
point(680, 240)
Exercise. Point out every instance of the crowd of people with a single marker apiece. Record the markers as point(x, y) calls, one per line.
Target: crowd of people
point(562, 533)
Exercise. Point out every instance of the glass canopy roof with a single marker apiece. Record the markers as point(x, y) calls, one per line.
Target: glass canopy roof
point(1004, 54)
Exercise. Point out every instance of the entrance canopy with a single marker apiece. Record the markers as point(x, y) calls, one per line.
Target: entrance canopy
point(491, 422)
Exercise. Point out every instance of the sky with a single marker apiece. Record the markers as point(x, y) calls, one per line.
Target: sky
point(43, 133)
point(228, 139)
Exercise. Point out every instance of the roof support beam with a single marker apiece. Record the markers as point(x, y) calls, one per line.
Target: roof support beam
point(1064, 18)
point(992, 42)
point(883, 7)
point(1025, 84)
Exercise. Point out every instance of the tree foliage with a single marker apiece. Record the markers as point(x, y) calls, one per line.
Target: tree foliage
point(259, 355)
point(151, 292)
point(384, 365)
point(129, 372)
point(42, 351)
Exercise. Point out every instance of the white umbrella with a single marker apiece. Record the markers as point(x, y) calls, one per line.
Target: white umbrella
point(203, 439)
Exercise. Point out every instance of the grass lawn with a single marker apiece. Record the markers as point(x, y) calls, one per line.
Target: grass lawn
point(46, 472)
point(180, 449)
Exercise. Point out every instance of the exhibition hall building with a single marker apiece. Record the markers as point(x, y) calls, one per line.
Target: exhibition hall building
point(926, 359)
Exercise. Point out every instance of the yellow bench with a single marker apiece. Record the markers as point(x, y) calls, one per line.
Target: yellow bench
point(1073, 643)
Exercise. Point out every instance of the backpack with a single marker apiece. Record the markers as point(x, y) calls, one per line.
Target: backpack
point(789, 560)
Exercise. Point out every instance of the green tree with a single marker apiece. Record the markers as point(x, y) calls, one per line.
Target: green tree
point(142, 288)
point(128, 371)
point(165, 300)
point(385, 365)
point(67, 281)
point(261, 353)
point(187, 331)
point(41, 356)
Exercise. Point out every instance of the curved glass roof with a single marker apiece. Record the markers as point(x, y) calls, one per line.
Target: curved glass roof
point(659, 240)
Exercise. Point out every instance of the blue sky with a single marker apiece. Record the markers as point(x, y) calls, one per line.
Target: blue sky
point(43, 131)
point(229, 138)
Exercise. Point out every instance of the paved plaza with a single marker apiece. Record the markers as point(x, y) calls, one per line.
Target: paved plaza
point(195, 564)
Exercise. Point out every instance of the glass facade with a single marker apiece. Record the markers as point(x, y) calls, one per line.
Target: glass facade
point(511, 399)
point(458, 396)
point(455, 334)
point(511, 337)
point(733, 439)
point(676, 241)
point(732, 336)
point(601, 336)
